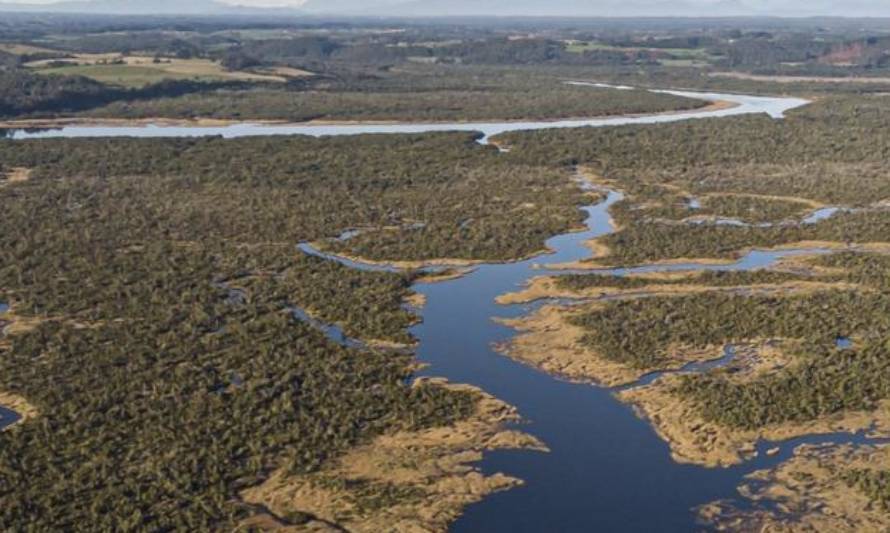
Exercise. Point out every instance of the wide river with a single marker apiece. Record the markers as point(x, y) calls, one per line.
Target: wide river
point(607, 469)
point(775, 107)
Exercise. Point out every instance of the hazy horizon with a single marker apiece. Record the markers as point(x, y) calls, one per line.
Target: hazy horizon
point(592, 8)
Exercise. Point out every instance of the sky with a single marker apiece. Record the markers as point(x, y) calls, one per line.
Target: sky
point(252, 3)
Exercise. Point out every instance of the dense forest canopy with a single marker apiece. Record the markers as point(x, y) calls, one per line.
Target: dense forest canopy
point(124, 279)
point(152, 282)
point(397, 69)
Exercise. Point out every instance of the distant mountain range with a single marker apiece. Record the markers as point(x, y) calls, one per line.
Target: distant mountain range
point(143, 7)
point(425, 8)
point(604, 8)
point(563, 8)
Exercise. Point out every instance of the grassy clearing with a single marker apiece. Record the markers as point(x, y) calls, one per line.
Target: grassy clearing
point(287, 72)
point(123, 75)
point(23, 49)
point(138, 71)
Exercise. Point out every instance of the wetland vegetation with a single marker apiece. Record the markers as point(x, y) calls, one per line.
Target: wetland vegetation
point(803, 374)
point(581, 282)
point(652, 327)
point(416, 94)
point(154, 400)
point(473, 203)
point(829, 153)
point(115, 257)
point(298, 74)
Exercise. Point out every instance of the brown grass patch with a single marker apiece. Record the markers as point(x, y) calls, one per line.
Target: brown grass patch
point(694, 440)
point(25, 49)
point(548, 341)
point(428, 472)
point(546, 287)
point(287, 72)
point(16, 175)
point(809, 494)
point(416, 300)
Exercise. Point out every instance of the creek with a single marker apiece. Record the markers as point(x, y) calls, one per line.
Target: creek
point(607, 469)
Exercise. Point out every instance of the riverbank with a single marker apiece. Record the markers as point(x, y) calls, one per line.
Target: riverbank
point(162, 122)
point(694, 440)
point(451, 268)
point(550, 341)
point(424, 479)
point(11, 324)
point(812, 494)
point(20, 406)
point(694, 263)
point(593, 480)
point(548, 288)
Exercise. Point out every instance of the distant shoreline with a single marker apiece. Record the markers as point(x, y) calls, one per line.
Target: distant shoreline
point(86, 122)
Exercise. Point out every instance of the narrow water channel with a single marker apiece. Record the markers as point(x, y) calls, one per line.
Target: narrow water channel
point(8, 418)
point(607, 469)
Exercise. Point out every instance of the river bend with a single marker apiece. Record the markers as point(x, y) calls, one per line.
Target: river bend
point(607, 469)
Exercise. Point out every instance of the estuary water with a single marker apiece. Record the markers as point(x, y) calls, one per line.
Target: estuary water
point(607, 469)
point(742, 105)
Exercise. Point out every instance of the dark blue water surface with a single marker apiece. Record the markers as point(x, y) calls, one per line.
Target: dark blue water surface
point(7, 417)
point(606, 465)
point(607, 469)
point(331, 331)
